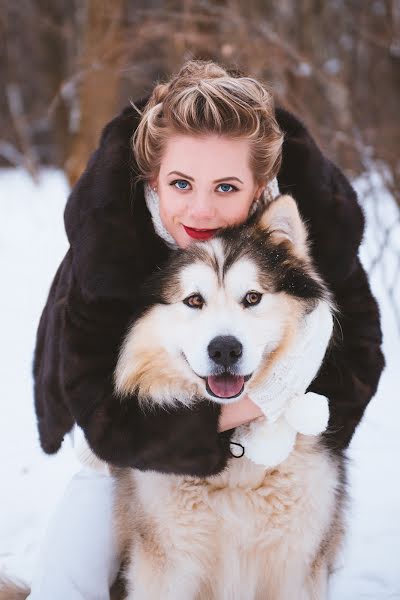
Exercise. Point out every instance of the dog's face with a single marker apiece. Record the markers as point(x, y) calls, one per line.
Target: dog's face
point(224, 311)
point(221, 325)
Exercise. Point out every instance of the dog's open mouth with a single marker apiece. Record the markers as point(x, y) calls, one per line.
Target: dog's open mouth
point(226, 385)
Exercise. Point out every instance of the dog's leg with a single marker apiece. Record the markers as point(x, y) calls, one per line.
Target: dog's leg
point(294, 582)
point(150, 579)
point(316, 587)
point(167, 588)
point(173, 587)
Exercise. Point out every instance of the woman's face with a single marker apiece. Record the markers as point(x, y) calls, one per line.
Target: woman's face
point(204, 183)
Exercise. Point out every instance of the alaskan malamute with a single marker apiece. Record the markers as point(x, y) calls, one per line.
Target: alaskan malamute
point(219, 315)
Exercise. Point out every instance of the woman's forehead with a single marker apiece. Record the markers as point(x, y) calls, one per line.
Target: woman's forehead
point(211, 156)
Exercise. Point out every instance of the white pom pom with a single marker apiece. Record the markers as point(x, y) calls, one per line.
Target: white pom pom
point(268, 444)
point(308, 414)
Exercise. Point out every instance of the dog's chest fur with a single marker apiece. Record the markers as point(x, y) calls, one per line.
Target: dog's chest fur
point(235, 535)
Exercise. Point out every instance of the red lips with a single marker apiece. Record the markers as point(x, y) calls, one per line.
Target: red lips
point(200, 234)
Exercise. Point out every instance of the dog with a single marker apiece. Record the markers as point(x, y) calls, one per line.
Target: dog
point(218, 317)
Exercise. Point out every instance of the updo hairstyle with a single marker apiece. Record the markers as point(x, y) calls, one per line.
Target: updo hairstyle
point(204, 98)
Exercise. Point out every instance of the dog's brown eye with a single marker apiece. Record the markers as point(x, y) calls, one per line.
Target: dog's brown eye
point(252, 299)
point(194, 301)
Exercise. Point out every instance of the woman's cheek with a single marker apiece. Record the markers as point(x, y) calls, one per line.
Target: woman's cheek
point(237, 214)
point(172, 207)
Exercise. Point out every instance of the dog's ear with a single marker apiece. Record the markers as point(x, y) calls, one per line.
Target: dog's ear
point(281, 219)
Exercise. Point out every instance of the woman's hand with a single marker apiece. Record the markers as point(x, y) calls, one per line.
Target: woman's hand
point(238, 413)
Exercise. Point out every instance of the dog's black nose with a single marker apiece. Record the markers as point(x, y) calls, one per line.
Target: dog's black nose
point(225, 350)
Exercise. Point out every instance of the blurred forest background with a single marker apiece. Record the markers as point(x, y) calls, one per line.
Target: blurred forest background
point(67, 66)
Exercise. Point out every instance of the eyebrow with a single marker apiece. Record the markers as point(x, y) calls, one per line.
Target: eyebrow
point(191, 178)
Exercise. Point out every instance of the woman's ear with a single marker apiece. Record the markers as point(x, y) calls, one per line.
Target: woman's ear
point(153, 183)
point(259, 191)
point(282, 220)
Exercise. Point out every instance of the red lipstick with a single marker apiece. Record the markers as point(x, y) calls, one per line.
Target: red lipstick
point(200, 234)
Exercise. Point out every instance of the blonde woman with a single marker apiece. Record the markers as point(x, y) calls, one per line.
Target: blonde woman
point(194, 157)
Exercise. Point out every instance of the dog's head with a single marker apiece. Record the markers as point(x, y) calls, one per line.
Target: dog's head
point(221, 312)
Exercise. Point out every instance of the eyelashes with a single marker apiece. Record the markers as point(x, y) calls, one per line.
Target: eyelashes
point(176, 183)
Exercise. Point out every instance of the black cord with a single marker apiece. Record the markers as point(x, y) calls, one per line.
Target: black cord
point(236, 455)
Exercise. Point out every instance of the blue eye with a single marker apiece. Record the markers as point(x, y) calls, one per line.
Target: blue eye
point(178, 184)
point(227, 187)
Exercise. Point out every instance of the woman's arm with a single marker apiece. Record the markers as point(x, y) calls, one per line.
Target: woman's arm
point(352, 369)
point(93, 300)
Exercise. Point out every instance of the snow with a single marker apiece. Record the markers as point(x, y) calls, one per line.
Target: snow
point(32, 243)
point(371, 560)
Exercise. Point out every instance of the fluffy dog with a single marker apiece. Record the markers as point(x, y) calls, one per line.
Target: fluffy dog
point(218, 318)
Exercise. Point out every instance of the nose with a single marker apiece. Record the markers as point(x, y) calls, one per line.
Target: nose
point(203, 208)
point(225, 350)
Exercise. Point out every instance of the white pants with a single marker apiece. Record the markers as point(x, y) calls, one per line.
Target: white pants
point(79, 557)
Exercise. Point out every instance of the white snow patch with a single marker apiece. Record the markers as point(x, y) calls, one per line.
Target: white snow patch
point(32, 243)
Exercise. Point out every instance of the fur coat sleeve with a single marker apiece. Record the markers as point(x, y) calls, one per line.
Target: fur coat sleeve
point(351, 371)
point(94, 297)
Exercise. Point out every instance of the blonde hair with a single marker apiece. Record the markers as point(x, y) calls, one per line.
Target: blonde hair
point(205, 98)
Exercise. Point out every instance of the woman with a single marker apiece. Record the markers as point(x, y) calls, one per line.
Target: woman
point(206, 120)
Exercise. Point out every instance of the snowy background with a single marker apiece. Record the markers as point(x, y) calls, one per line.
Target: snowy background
point(32, 243)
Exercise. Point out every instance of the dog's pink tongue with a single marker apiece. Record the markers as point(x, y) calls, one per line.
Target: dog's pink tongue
point(225, 386)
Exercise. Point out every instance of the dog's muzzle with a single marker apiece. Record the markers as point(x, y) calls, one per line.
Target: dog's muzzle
point(225, 351)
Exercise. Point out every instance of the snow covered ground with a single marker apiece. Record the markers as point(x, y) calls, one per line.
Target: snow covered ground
point(32, 243)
